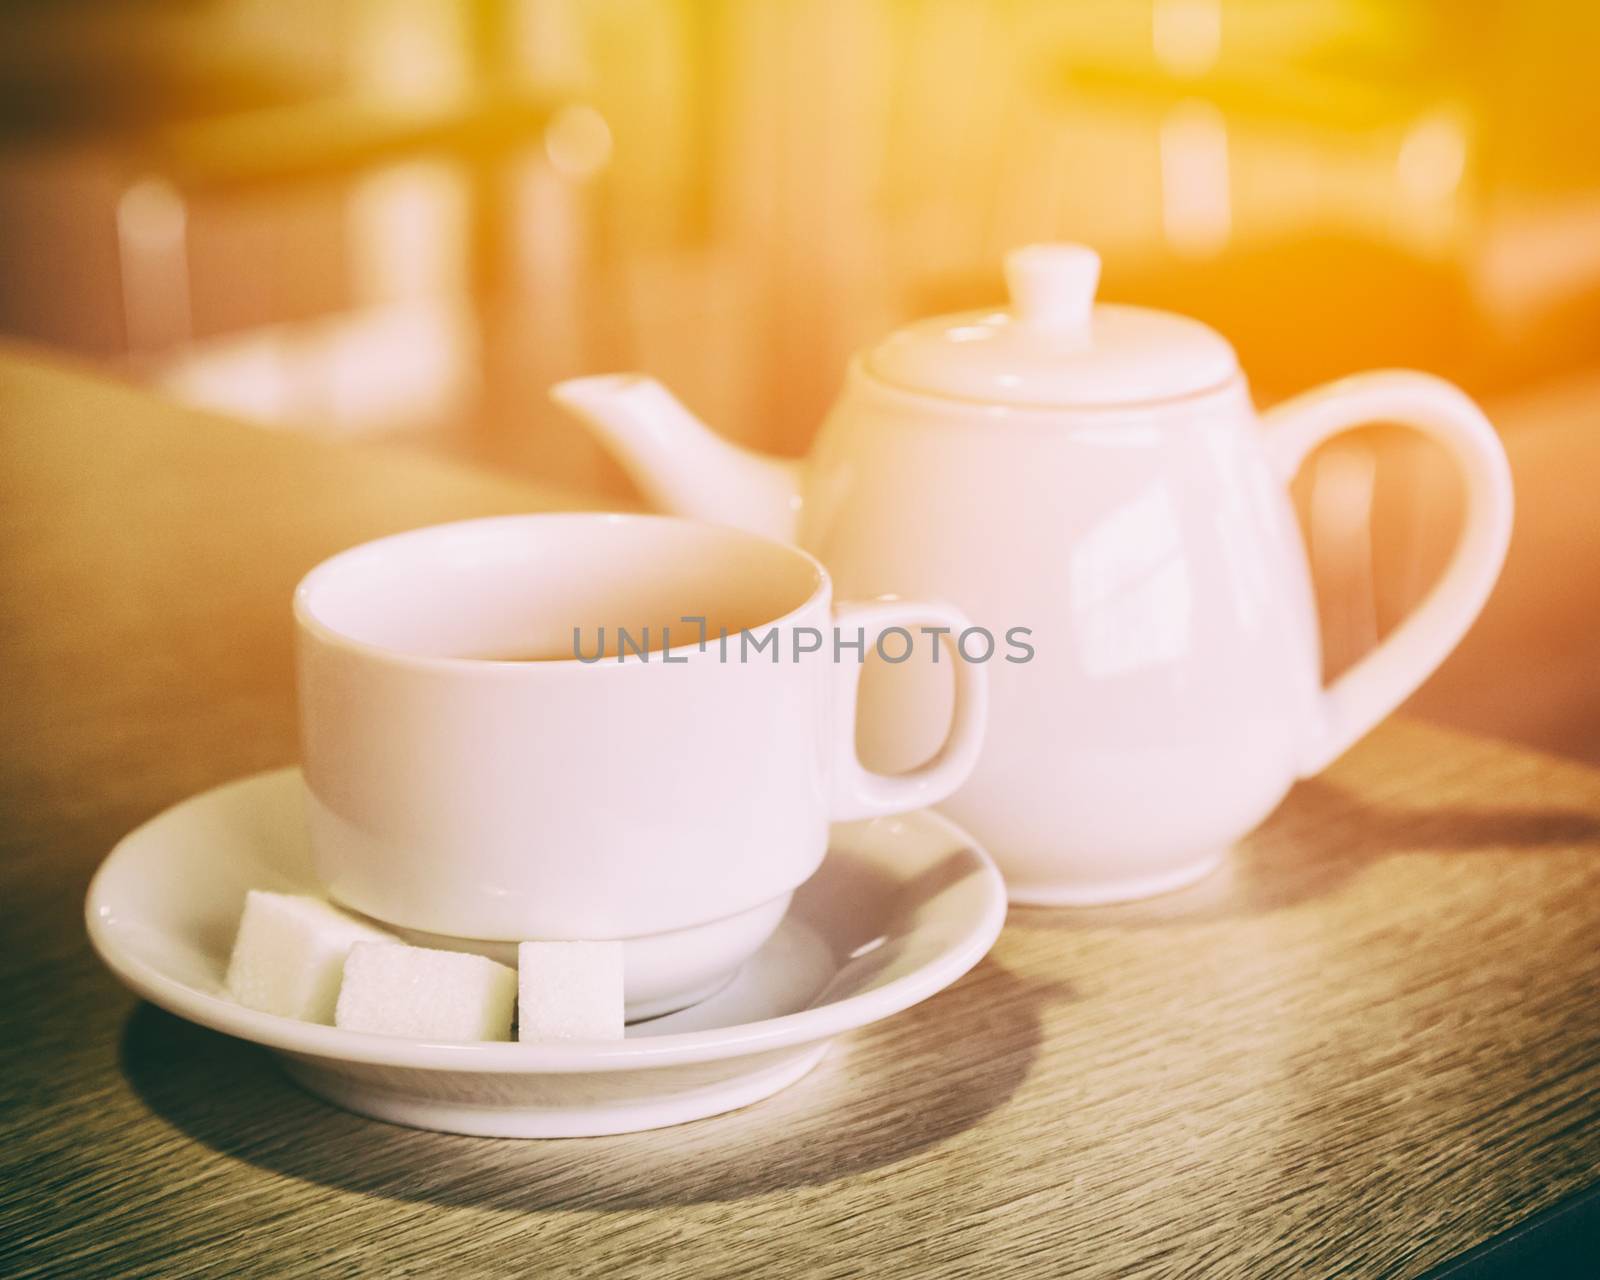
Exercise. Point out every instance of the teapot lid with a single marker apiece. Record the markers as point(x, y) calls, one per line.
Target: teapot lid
point(1054, 346)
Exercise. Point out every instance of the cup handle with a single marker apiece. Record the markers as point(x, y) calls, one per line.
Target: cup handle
point(1379, 682)
point(858, 792)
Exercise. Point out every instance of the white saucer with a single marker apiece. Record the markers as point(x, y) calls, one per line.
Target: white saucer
point(901, 908)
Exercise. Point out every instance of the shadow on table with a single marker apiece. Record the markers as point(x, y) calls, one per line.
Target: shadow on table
point(871, 1102)
point(1320, 838)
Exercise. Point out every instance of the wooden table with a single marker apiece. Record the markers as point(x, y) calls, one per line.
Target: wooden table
point(1369, 1046)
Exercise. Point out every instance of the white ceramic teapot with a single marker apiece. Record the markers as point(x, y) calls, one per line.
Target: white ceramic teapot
point(1097, 475)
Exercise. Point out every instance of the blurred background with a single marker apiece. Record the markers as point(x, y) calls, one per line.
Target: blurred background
point(401, 220)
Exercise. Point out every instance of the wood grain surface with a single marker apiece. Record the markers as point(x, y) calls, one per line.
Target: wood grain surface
point(1370, 1044)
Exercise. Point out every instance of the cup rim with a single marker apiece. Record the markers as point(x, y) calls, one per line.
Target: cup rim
point(307, 620)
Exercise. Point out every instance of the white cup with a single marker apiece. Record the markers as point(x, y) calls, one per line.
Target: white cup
point(475, 775)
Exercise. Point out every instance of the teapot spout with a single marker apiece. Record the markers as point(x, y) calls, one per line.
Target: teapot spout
point(679, 464)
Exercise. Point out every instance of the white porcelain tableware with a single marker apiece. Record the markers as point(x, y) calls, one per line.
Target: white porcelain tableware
point(1097, 475)
point(475, 769)
point(901, 908)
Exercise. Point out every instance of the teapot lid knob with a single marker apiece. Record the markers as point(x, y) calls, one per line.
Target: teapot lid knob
point(1053, 286)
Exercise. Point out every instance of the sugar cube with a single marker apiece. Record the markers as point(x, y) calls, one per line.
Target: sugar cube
point(288, 956)
point(398, 990)
point(569, 991)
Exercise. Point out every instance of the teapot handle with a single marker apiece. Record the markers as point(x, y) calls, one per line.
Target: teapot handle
point(858, 792)
point(1385, 677)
